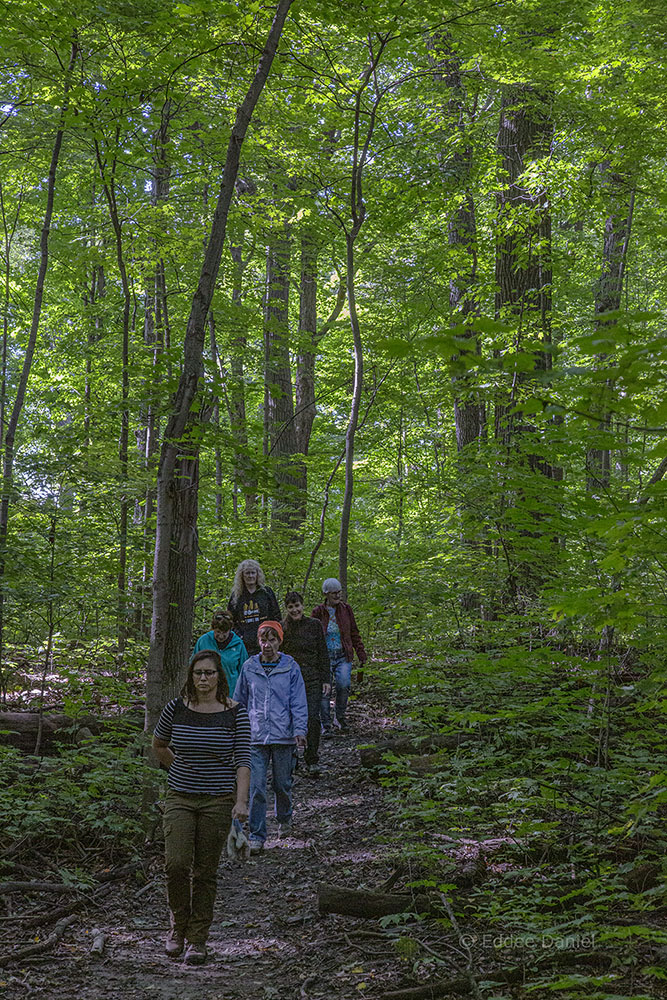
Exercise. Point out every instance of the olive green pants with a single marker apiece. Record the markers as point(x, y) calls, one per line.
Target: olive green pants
point(195, 831)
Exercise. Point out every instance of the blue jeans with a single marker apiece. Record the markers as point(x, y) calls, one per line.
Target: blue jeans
point(314, 698)
point(280, 755)
point(341, 678)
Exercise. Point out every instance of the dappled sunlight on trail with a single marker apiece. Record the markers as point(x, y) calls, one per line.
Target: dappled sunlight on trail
point(267, 938)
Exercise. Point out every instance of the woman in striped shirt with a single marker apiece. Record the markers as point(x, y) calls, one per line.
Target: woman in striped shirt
point(203, 738)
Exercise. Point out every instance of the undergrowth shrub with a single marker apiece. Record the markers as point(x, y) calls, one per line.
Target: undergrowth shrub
point(559, 800)
point(87, 797)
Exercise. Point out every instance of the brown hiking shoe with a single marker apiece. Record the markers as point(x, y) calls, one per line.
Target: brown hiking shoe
point(196, 954)
point(173, 946)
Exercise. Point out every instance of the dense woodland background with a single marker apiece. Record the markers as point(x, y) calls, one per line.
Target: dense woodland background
point(404, 325)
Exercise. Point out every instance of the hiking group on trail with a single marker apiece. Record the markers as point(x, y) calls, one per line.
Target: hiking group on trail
point(256, 689)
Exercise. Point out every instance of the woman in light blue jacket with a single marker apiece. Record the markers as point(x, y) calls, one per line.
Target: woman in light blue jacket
point(232, 652)
point(272, 690)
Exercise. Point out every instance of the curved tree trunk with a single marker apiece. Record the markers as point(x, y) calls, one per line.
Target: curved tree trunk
point(360, 149)
point(354, 415)
point(160, 672)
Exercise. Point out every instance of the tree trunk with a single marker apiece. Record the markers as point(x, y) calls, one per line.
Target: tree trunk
point(23, 729)
point(280, 430)
point(523, 252)
point(109, 187)
point(215, 358)
point(97, 292)
point(402, 746)
point(160, 671)
point(354, 412)
point(245, 479)
point(310, 336)
point(8, 232)
point(156, 338)
point(182, 567)
point(469, 410)
point(608, 299)
point(305, 369)
point(523, 298)
point(360, 149)
point(308, 340)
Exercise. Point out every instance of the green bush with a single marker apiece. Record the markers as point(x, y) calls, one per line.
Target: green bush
point(88, 796)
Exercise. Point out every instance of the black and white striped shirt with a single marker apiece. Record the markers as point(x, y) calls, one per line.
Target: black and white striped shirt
point(208, 747)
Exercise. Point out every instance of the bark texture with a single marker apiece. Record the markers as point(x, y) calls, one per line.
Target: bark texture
point(280, 428)
point(364, 903)
point(469, 410)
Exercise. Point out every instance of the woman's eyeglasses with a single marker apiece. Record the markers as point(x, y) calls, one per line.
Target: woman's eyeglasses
point(204, 673)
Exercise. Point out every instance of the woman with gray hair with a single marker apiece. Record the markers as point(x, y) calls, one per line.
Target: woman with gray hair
point(251, 603)
point(342, 639)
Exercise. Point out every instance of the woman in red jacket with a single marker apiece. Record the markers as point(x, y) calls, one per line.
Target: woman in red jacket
point(343, 639)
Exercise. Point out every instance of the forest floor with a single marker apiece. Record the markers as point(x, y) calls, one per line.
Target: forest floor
point(267, 941)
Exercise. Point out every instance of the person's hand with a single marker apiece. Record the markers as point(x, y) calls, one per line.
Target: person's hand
point(240, 811)
point(326, 690)
point(301, 741)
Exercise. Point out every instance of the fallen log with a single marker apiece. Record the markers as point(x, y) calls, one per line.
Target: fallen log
point(21, 729)
point(419, 746)
point(364, 903)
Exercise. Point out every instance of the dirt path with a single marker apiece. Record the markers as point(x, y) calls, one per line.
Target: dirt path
point(267, 941)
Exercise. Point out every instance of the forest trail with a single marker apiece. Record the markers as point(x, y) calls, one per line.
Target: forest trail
point(267, 940)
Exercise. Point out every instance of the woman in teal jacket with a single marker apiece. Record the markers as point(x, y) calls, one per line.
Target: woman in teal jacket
point(232, 652)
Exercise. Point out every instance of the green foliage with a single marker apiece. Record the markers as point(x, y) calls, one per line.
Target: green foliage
point(88, 796)
point(557, 796)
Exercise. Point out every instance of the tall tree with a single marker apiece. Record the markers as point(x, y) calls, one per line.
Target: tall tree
point(523, 300)
point(108, 177)
point(245, 479)
point(619, 195)
point(279, 427)
point(523, 247)
point(469, 411)
point(163, 673)
point(363, 127)
point(310, 337)
point(157, 337)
